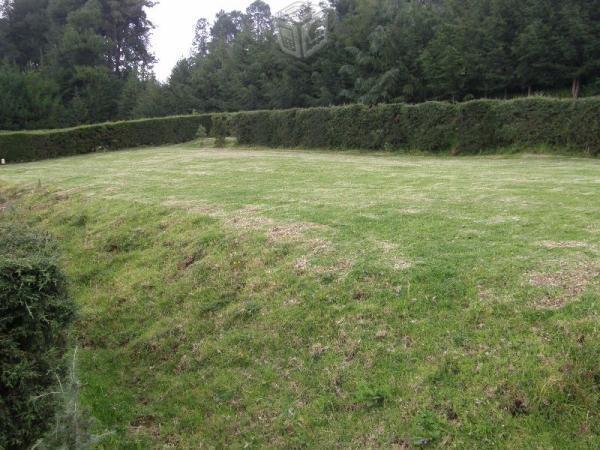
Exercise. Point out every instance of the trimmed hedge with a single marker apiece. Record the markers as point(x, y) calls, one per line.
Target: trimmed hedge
point(470, 127)
point(36, 145)
point(35, 312)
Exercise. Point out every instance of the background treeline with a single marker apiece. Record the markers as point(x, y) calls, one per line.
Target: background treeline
point(65, 62)
point(77, 61)
point(395, 51)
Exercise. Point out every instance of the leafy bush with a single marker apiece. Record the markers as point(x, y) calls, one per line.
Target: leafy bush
point(36, 145)
point(220, 128)
point(470, 127)
point(35, 312)
point(201, 133)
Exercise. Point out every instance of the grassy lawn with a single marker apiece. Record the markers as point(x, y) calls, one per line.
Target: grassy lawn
point(301, 299)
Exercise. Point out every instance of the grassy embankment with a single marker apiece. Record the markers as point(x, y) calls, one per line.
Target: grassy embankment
point(312, 299)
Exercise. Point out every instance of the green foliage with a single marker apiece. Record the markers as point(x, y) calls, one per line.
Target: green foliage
point(152, 101)
point(92, 61)
point(393, 51)
point(201, 133)
point(31, 146)
point(27, 99)
point(70, 60)
point(35, 313)
point(470, 127)
point(220, 128)
point(94, 101)
point(133, 89)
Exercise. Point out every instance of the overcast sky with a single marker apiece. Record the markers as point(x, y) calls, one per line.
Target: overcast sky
point(175, 21)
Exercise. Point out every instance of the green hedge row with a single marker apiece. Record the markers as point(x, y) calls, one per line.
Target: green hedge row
point(471, 127)
point(35, 312)
point(36, 145)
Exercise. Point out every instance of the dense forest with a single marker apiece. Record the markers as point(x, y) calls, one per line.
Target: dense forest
point(67, 62)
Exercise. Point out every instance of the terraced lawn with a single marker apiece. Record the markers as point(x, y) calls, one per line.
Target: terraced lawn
point(257, 298)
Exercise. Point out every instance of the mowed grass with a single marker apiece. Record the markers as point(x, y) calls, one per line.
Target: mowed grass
point(254, 298)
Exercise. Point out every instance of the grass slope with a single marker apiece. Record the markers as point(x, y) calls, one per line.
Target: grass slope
point(290, 299)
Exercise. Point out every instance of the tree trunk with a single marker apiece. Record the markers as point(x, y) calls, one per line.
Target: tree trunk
point(529, 91)
point(576, 88)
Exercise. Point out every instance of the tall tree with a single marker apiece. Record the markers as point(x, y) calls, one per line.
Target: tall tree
point(578, 39)
point(25, 31)
point(87, 48)
point(95, 55)
point(201, 42)
point(127, 28)
point(259, 19)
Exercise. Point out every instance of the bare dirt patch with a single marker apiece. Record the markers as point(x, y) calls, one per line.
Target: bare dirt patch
point(400, 264)
point(291, 301)
point(487, 294)
point(498, 220)
point(386, 246)
point(290, 232)
point(563, 244)
point(341, 268)
point(397, 262)
point(145, 425)
point(592, 229)
point(570, 281)
point(248, 222)
point(319, 245)
point(410, 211)
point(249, 218)
point(301, 264)
point(189, 261)
point(195, 207)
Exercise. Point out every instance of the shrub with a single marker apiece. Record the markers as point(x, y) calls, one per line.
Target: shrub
point(36, 145)
point(35, 312)
point(220, 128)
point(470, 127)
point(201, 133)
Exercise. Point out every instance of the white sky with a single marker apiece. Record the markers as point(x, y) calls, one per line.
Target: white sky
point(175, 20)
